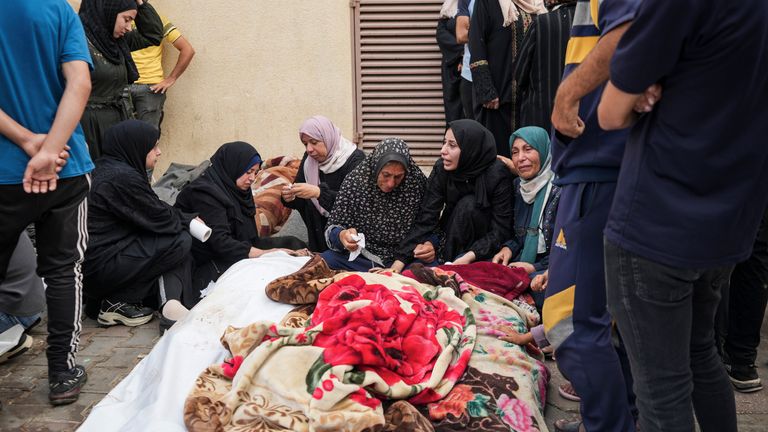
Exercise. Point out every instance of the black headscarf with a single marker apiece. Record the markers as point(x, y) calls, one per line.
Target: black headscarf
point(98, 17)
point(230, 162)
point(478, 153)
point(129, 141)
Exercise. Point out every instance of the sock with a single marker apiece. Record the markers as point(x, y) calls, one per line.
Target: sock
point(174, 310)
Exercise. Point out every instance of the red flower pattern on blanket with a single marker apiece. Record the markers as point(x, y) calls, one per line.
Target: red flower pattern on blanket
point(381, 336)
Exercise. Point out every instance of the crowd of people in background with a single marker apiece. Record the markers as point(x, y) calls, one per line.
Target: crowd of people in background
point(591, 143)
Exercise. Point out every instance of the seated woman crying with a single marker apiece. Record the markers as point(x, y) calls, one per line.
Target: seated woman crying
point(468, 202)
point(222, 197)
point(374, 209)
point(536, 200)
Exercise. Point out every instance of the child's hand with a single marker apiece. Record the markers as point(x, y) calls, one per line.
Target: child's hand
point(511, 335)
point(539, 282)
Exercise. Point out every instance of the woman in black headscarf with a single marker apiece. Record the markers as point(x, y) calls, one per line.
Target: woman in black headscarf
point(468, 202)
point(222, 197)
point(139, 246)
point(107, 25)
point(379, 199)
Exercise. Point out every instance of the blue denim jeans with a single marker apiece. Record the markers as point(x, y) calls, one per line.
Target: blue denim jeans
point(666, 318)
point(7, 321)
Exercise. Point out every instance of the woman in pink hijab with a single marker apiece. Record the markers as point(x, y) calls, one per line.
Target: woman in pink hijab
point(329, 158)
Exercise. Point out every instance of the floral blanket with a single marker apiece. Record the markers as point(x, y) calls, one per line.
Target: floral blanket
point(371, 338)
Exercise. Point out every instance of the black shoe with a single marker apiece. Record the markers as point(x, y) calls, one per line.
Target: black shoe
point(64, 387)
point(165, 324)
point(25, 342)
point(127, 314)
point(745, 378)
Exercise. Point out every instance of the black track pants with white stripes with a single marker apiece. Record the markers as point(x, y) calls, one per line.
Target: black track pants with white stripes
point(61, 236)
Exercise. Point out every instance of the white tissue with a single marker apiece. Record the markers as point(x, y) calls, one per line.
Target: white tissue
point(359, 238)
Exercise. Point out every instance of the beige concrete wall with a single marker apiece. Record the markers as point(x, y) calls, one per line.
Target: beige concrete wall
point(261, 67)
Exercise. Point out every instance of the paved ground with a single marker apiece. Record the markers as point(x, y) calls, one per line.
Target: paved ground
point(109, 354)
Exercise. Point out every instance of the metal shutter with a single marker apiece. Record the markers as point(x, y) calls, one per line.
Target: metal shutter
point(398, 88)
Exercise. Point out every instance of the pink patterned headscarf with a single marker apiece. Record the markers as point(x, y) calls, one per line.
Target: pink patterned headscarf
point(339, 150)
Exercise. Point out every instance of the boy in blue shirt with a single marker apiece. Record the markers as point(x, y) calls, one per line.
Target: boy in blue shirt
point(44, 85)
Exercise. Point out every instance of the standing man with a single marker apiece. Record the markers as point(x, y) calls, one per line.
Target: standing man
point(148, 92)
point(586, 159)
point(44, 85)
point(741, 315)
point(690, 197)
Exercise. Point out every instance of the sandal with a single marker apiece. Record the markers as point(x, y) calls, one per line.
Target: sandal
point(567, 391)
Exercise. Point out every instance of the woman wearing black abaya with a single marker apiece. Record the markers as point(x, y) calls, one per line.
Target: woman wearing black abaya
point(498, 28)
point(468, 200)
point(452, 53)
point(222, 197)
point(107, 25)
point(139, 246)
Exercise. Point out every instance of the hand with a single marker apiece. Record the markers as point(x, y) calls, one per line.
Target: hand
point(648, 99)
point(492, 104)
point(503, 256)
point(346, 239)
point(507, 163)
point(467, 258)
point(396, 267)
point(33, 143)
point(256, 252)
point(62, 159)
point(424, 252)
point(139, 2)
point(565, 117)
point(288, 194)
point(163, 85)
point(40, 175)
point(539, 282)
point(511, 335)
point(528, 267)
point(299, 252)
point(306, 190)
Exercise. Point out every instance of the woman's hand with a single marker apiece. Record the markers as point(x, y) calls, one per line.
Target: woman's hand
point(288, 194)
point(467, 258)
point(256, 252)
point(299, 252)
point(345, 237)
point(396, 267)
point(424, 252)
point(507, 163)
point(539, 282)
point(503, 256)
point(305, 190)
point(528, 267)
